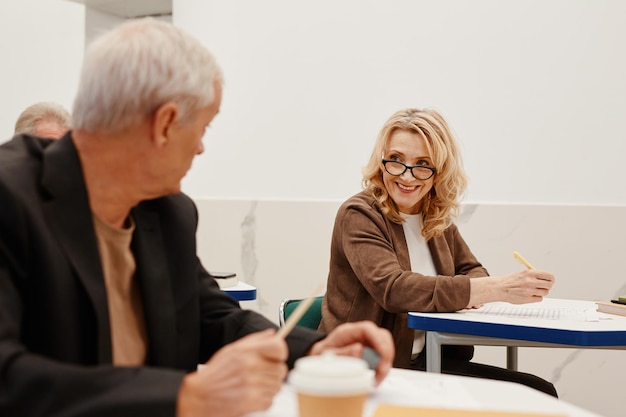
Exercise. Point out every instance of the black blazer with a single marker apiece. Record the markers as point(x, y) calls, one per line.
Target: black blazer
point(55, 346)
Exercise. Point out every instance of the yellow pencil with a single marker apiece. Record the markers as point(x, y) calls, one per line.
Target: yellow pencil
point(523, 261)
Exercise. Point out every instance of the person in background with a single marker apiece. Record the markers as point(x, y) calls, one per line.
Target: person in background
point(396, 249)
point(105, 308)
point(45, 119)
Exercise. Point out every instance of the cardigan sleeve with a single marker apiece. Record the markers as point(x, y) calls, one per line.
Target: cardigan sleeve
point(373, 248)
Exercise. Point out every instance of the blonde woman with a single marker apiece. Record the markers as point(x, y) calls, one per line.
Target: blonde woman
point(395, 248)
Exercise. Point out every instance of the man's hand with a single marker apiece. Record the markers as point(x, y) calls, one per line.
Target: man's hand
point(241, 378)
point(350, 338)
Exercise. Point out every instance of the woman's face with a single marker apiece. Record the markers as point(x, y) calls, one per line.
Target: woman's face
point(405, 190)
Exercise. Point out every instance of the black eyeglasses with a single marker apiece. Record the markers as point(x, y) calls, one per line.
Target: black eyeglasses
point(420, 172)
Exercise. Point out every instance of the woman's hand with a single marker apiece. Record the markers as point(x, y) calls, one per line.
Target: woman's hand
point(527, 286)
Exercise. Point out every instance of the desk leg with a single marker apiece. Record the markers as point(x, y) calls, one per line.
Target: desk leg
point(434, 341)
point(433, 352)
point(511, 358)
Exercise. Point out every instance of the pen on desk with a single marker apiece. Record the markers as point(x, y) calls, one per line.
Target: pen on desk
point(298, 313)
point(523, 261)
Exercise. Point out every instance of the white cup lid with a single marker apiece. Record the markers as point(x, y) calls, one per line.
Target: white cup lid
point(330, 374)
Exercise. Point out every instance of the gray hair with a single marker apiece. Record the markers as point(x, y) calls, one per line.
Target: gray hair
point(45, 110)
point(138, 66)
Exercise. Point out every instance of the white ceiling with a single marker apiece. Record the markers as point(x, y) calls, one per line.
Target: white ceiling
point(130, 8)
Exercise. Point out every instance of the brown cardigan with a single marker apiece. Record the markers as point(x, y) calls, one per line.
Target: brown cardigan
point(370, 274)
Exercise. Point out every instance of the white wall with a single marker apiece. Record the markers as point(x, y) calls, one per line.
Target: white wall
point(98, 22)
point(535, 90)
point(41, 47)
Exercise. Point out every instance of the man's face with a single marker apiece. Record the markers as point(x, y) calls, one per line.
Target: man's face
point(187, 142)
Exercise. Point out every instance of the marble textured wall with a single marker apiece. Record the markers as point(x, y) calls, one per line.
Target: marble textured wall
point(282, 248)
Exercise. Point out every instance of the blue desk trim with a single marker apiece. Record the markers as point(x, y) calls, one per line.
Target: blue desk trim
point(242, 295)
point(517, 332)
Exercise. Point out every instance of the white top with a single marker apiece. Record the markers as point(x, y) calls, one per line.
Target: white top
point(421, 260)
point(419, 254)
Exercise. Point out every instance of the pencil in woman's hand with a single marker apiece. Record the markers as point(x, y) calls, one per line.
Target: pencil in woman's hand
point(523, 261)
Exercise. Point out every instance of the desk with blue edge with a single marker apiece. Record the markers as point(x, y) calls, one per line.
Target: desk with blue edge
point(469, 328)
point(241, 291)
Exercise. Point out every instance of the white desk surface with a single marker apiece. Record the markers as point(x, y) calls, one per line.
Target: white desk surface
point(609, 330)
point(422, 389)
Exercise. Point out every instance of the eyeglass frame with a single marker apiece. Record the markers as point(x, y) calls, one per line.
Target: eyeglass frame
point(432, 170)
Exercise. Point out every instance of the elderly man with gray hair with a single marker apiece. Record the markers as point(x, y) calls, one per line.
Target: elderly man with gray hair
point(45, 119)
point(105, 307)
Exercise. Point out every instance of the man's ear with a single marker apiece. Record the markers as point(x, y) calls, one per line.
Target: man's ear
point(163, 120)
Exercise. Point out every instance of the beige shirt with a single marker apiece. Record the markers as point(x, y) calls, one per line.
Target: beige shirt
point(128, 330)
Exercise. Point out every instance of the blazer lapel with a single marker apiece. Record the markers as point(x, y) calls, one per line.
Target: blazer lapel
point(68, 213)
point(399, 241)
point(155, 286)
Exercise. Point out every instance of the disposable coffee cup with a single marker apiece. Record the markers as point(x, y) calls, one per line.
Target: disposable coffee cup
point(331, 386)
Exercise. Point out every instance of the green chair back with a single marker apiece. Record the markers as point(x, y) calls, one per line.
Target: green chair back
point(311, 319)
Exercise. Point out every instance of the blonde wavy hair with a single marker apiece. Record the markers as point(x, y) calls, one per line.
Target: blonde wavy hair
point(439, 206)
